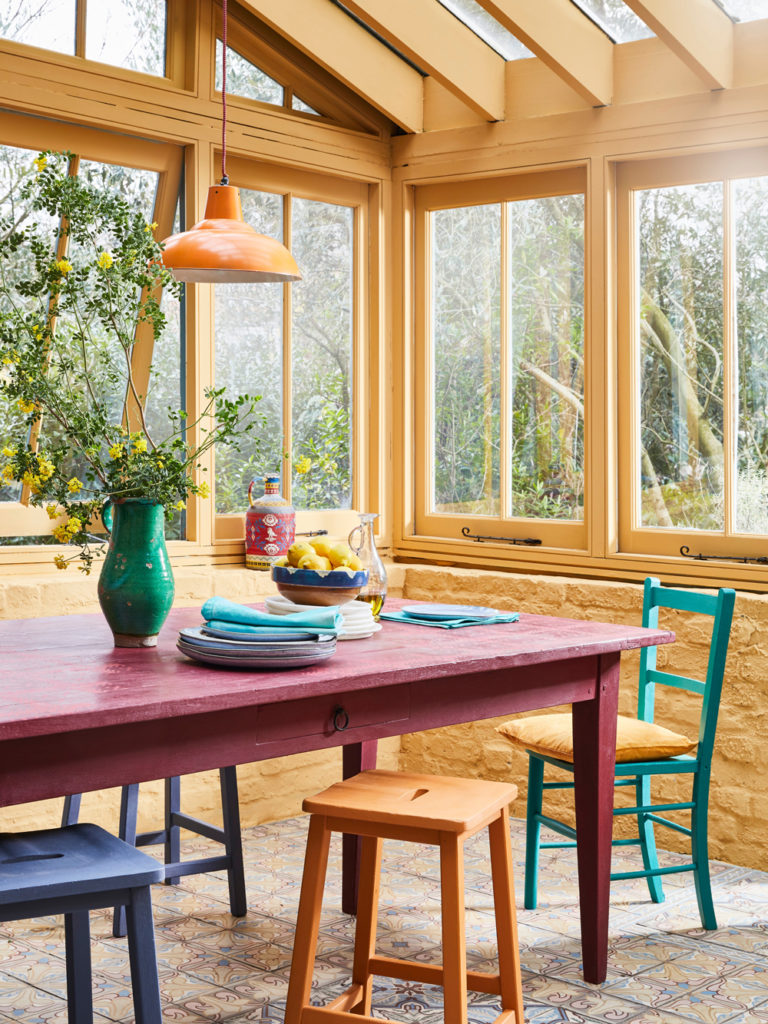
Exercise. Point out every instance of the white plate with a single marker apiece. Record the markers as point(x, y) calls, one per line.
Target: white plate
point(437, 612)
point(352, 612)
point(360, 634)
point(254, 662)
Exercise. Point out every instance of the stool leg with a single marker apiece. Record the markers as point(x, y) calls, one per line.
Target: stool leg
point(77, 940)
point(308, 921)
point(510, 980)
point(172, 832)
point(129, 812)
point(454, 941)
point(71, 811)
point(233, 842)
point(367, 914)
point(141, 951)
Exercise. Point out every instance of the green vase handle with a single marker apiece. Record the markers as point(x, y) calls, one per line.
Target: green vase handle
point(107, 517)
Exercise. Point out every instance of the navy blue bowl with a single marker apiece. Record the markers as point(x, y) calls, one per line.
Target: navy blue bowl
point(319, 586)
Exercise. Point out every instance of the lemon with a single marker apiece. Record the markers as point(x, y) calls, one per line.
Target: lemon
point(314, 561)
point(340, 555)
point(354, 563)
point(297, 550)
point(322, 545)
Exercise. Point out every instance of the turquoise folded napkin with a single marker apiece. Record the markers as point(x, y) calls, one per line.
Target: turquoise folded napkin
point(449, 623)
point(227, 614)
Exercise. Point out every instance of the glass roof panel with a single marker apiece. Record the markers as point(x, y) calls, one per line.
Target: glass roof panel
point(745, 10)
point(616, 19)
point(485, 25)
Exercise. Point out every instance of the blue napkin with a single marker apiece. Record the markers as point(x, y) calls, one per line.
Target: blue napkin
point(449, 623)
point(228, 615)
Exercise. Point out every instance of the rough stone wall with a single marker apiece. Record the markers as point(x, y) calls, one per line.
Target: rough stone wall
point(738, 818)
point(269, 790)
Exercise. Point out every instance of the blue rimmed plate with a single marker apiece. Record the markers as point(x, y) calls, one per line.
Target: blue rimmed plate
point(439, 612)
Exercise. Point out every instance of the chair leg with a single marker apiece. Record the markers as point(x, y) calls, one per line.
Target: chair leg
point(233, 842)
point(308, 920)
point(71, 812)
point(510, 979)
point(129, 812)
point(172, 832)
point(454, 940)
point(367, 914)
point(700, 851)
point(141, 951)
point(648, 838)
point(79, 989)
point(533, 831)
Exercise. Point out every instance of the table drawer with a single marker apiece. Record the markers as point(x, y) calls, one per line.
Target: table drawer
point(337, 712)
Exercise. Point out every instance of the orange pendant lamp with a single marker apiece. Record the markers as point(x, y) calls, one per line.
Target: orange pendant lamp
point(222, 247)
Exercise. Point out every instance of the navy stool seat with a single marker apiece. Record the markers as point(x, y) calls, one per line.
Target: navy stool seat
point(230, 860)
point(72, 871)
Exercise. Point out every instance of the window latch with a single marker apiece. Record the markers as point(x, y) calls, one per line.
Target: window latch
point(754, 559)
point(480, 538)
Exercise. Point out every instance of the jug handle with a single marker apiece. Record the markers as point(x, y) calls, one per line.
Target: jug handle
point(355, 547)
point(250, 488)
point(107, 517)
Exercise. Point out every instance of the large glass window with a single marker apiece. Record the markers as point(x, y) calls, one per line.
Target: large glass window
point(696, 364)
point(503, 358)
point(294, 345)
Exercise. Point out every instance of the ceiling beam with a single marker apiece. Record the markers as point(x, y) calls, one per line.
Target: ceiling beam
point(698, 31)
point(436, 41)
point(565, 39)
point(347, 51)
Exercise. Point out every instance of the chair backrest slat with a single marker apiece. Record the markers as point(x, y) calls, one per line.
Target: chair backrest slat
point(679, 682)
point(719, 607)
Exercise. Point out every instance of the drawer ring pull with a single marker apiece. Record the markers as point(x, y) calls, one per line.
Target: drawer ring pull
point(340, 718)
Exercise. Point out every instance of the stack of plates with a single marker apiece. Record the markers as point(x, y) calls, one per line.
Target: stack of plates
point(280, 648)
point(358, 617)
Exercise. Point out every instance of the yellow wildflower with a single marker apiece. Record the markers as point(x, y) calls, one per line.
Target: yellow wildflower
point(60, 562)
point(28, 478)
point(303, 465)
point(9, 452)
point(150, 227)
point(180, 505)
point(25, 406)
point(60, 533)
point(53, 511)
point(205, 490)
point(74, 485)
point(74, 526)
point(45, 468)
point(105, 260)
point(116, 451)
point(35, 485)
point(139, 445)
point(8, 474)
point(63, 266)
point(8, 361)
point(40, 163)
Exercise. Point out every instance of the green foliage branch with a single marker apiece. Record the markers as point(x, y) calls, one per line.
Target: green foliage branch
point(68, 330)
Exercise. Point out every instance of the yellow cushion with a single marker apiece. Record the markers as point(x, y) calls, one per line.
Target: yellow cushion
point(635, 740)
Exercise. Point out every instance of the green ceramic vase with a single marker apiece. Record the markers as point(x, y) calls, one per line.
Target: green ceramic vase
point(136, 581)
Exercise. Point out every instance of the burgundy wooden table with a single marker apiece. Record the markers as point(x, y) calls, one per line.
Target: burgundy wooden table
point(78, 715)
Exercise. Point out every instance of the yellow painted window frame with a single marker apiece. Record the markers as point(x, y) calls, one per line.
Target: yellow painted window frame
point(35, 134)
point(290, 183)
point(631, 177)
point(554, 534)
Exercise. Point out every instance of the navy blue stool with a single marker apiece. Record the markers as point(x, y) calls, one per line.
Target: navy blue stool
point(72, 871)
point(229, 836)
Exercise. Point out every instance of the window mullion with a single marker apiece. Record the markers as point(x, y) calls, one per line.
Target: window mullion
point(505, 367)
point(80, 19)
point(287, 481)
point(730, 362)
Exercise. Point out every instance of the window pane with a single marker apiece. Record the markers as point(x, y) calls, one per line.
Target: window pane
point(465, 304)
point(680, 291)
point(750, 232)
point(322, 333)
point(46, 23)
point(546, 289)
point(615, 19)
point(127, 33)
point(299, 104)
point(15, 166)
point(488, 28)
point(245, 79)
point(249, 360)
point(745, 10)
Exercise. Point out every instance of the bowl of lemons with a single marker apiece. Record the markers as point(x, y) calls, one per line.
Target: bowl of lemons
point(319, 571)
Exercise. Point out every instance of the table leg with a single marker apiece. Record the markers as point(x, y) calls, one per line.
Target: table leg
point(356, 757)
point(594, 760)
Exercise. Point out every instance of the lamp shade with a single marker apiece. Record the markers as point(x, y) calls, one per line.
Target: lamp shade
point(222, 247)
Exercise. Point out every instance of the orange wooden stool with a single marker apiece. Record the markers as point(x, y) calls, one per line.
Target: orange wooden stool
point(422, 809)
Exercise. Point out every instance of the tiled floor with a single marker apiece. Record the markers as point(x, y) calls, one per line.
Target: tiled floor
point(662, 966)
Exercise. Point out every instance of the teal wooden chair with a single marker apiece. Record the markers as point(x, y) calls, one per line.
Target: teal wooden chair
point(643, 750)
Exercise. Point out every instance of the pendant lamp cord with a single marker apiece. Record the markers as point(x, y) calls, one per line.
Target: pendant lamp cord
point(224, 176)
